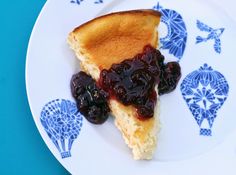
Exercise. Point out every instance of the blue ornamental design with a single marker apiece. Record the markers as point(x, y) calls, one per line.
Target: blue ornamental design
point(213, 34)
point(79, 1)
point(62, 122)
point(176, 38)
point(98, 2)
point(76, 1)
point(205, 91)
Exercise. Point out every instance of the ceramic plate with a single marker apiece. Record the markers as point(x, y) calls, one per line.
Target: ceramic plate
point(197, 119)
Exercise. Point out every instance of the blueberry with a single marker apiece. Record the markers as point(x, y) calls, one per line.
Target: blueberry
point(145, 112)
point(96, 115)
point(91, 100)
point(170, 76)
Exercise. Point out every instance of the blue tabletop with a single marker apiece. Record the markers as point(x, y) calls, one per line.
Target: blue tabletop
point(22, 149)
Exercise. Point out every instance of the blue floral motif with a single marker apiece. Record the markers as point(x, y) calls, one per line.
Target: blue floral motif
point(62, 122)
point(79, 1)
point(205, 91)
point(76, 1)
point(98, 2)
point(213, 34)
point(176, 38)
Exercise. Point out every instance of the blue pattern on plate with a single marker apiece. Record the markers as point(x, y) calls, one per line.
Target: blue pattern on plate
point(76, 1)
point(176, 38)
point(205, 91)
point(213, 34)
point(98, 2)
point(79, 1)
point(62, 122)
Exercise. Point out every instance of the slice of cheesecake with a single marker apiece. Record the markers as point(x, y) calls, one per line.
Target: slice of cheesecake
point(110, 39)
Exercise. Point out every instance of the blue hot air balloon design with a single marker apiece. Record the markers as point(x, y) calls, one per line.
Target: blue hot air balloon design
point(205, 91)
point(62, 122)
point(79, 1)
point(213, 34)
point(176, 38)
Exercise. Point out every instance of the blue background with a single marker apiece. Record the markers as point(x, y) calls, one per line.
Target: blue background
point(22, 150)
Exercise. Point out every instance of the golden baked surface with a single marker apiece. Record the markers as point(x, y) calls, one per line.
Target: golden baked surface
point(114, 37)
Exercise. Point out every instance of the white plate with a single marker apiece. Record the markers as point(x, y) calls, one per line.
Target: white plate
point(198, 34)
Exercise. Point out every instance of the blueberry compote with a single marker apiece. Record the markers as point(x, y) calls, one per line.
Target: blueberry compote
point(91, 100)
point(131, 82)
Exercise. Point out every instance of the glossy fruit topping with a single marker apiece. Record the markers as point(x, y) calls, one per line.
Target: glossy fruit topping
point(91, 100)
point(132, 81)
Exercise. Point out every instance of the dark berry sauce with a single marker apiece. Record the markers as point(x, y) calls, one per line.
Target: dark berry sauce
point(91, 100)
point(169, 77)
point(131, 82)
